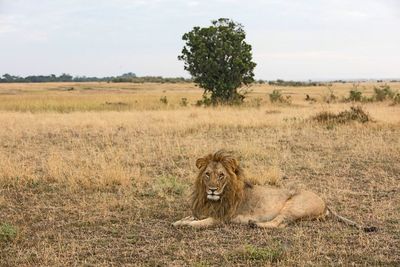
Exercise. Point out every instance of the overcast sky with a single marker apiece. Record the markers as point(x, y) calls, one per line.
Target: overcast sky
point(291, 39)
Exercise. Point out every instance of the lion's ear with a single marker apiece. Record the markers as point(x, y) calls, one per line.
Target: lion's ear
point(201, 163)
point(232, 163)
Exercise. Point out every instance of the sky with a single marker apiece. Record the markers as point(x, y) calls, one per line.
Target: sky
point(291, 39)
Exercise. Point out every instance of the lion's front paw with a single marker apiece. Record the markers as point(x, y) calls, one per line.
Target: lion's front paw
point(177, 223)
point(252, 224)
point(184, 221)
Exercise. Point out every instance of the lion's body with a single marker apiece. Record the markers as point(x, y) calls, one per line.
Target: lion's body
point(275, 207)
point(221, 194)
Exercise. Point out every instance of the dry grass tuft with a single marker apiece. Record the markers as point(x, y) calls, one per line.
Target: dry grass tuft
point(258, 255)
point(354, 114)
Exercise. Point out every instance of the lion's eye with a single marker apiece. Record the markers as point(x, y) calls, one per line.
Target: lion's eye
point(221, 176)
point(207, 175)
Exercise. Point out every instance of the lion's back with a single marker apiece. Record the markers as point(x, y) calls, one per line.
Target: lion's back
point(263, 199)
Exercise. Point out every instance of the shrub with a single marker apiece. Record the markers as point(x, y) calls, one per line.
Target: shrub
point(383, 92)
point(355, 95)
point(310, 99)
point(275, 96)
point(396, 99)
point(205, 101)
point(330, 97)
point(164, 100)
point(354, 114)
point(183, 102)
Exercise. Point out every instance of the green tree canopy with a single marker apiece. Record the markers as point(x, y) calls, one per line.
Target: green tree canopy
point(219, 59)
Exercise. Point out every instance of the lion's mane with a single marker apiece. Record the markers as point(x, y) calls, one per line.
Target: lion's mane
point(233, 194)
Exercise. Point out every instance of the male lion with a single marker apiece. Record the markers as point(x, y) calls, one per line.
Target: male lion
point(221, 194)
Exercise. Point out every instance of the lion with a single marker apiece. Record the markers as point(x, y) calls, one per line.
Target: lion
point(222, 194)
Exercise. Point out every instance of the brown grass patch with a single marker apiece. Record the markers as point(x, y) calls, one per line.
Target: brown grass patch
point(101, 187)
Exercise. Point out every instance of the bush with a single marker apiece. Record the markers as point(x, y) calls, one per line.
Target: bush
point(276, 96)
point(330, 97)
point(164, 100)
point(310, 99)
point(354, 114)
point(396, 99)
point(383, 92)
point(206, 101)
point(355, 95)
point(183, 102)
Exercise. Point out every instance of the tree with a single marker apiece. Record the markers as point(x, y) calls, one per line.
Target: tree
point(219, 60)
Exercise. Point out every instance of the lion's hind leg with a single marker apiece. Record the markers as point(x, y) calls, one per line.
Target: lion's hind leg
point(304, 205)
point(279, 221)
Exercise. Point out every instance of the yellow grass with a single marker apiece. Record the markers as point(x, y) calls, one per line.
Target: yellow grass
point(86, 182)
point(58, 97)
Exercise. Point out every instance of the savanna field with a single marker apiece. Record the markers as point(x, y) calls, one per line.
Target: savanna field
point(93, 174)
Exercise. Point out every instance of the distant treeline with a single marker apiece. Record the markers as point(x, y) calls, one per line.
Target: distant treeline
point(127, 77)
point(280, 82)
point(132, 78)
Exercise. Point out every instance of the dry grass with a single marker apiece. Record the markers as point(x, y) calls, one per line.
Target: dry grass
point(101, 186)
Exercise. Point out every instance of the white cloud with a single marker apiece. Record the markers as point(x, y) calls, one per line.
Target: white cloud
point(8, 23)
point(193, 3)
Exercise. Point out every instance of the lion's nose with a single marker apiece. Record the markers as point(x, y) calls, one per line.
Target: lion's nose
point(213, 189)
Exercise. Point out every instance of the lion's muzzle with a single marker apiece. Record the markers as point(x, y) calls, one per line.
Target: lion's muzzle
point(212, 194)
point(213, 197)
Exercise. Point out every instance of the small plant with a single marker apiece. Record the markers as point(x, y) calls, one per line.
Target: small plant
point(184, 102)
point(330, 97)
point(396, 99)
point(383, 92)
point(355, 95)
point(7, 232)
point(310, 99)
point(275, 96)
point(164, 100)
point(206, 101)
point(354, 114)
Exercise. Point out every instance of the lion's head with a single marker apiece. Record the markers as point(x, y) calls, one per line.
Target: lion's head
point(219, 187)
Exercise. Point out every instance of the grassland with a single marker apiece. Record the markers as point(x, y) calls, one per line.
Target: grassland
point(94, 173)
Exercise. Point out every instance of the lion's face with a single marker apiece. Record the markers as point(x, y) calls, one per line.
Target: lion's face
point(215, 178)
point(219, 186)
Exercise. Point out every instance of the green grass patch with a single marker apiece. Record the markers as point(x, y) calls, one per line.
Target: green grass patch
point(8, 232)
point(258, 254)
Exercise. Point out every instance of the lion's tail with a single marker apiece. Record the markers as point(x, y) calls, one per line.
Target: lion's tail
point(350, 222)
